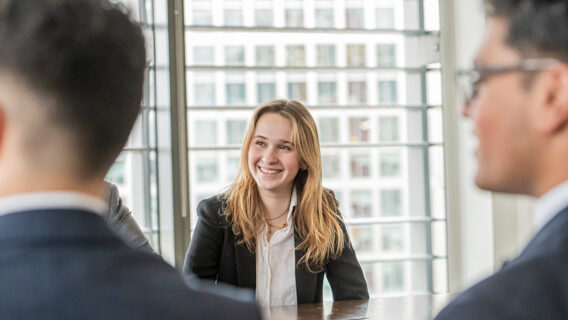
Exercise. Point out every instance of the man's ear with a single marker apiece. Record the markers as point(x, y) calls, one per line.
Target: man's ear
point(2, 127)
point(553, 100)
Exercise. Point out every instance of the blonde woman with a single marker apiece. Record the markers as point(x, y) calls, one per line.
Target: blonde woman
point(276, 229)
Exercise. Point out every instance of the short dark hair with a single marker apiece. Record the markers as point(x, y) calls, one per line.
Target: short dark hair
point(89, 58)
point(537, 28)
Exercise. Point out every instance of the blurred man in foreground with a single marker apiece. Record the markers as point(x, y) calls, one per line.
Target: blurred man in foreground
point(71, 75)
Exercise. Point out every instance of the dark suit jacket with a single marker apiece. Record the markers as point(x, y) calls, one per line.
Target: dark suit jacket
point(532, 286)
point(68, 264)
point(214, 254)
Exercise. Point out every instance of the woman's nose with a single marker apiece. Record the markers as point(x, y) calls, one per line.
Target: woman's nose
point(269, 155)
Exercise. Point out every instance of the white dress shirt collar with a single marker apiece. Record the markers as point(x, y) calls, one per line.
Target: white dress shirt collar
point(550, 204)
point(51, 200)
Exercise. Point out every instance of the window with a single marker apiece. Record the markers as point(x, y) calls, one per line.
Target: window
point(392, 238)
point(206, 169)
point(354, 18)
point(355, 55)
point(233, 18)
point(235, 93)
point(387, 91)
point(326, 92)
point(390, 164)
point(203, 56)
point(263, 17)
point(206, 131)
point(360, 165)
point(390, 203)
point(385, 18)
point(324, 18)
point(204, 94)
point(359, 129)
point(388, 129)
point(361, 204)
point(236, 131)
point(357, 92)
point(235, 56)
point(328, 130)
point(232, 168)
point(392, 277)
point(386, 55)
point(294, 18)
point(202, 17)
point(295, 56)
point(362, 239)
point(330, 166)
point(297, 91)
point(264, 55)
point(116, 172)
point(266, 92)
point(325, 55)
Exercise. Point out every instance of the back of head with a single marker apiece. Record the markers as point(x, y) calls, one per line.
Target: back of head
point(85, 60)
point(537, 28)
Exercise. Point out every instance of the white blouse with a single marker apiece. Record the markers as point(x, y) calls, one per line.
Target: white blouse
point(276, 264)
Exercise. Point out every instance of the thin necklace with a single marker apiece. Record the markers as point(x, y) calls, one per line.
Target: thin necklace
point(283, 226)
point(285, 210)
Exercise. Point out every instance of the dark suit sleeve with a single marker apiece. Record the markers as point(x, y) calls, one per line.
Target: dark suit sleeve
point(120, 219)
point(203, 255)
point(345, 275)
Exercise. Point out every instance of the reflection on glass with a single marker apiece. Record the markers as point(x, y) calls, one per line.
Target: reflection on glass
point(330, 166)
point(294, 18)
point(236, 131)
point(234, 55)
point(264, 55)
point(392, 238)
point(359, 129)
point(266, 92)
point(295, 55)
point(325, 55)
point(233, 18)
point(206, 169)
point(324, 18)
point(390, 164)
point(386, 55)
point(297, 91)
point(235, 93)
point(387, 91)
point(328, 130)
point(388, 129)
point(354, 18)
point(357, 92)
point(355, 55)
point(327, 92)
point(393, 280)
point(263, 17)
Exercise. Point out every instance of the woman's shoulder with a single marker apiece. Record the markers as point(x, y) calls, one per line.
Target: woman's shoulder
point(211, 207)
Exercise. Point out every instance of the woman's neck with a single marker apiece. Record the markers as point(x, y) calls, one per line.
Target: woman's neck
point(275, 203)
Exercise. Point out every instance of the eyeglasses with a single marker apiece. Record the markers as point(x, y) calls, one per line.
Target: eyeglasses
point(471, 80)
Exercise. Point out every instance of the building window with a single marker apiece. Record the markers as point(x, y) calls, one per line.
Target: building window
point(235, 93)
point(201, 17)
point(295, 56)
point(355, 55)
point(386, 55)
point(328, 130)
point(357, 92)
point(391, 238)
point(360, 165)
point(232, 168)
point(392, 277)
point(206, 169)
point(203, 56)
point(116, 172)
point(297, 91)
point(266, 92)
point(390, 203)
point(389, 164)
point(204, 94)
point(206, 131)
point(263, 17)
point(236, 131)
point(385, 18)
point(234, 56)
point(361, 204)
point(325, 55)
point(388, 129)
point(264, 55)
point(359, 129)
point(233, 18)
point(324, 18)
point(387, 91)
point(362, 239)
point(327, 92)
point(294, 18)
point(354, 18)
point(330, 166)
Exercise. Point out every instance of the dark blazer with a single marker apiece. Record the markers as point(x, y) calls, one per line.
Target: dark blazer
point(68, 264)
point(532, 286)
point(214, 254)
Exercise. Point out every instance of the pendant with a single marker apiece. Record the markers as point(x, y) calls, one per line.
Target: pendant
point(284, 226)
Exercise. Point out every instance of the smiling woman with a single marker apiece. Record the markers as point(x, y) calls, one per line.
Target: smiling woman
point(276, 229)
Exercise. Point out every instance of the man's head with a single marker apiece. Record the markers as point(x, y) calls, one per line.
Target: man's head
point(520, 106)
point(71, 83)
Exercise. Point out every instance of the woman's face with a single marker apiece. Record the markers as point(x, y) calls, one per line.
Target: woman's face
point(272, 158)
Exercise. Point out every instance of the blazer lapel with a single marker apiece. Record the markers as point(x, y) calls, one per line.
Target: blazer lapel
point(246, 266)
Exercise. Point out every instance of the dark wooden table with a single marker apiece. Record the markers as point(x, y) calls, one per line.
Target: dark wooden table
point(385, 308)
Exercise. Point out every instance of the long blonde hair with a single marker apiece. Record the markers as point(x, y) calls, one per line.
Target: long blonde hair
point(316, 218)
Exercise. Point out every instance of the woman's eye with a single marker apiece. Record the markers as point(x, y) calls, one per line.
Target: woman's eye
point(285, 148)
point(259, 143)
